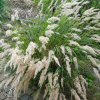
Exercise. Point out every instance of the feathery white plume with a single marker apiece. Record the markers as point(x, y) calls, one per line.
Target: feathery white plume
point(53, 20)
point(90, 12)
point(96, 38)
point(52, 26)
point(73, 43)
point(74, 93)
point(8, 33)
point(75, 36)
point(77, 85)
point(63, 49)
point(76, 30)
point(49, 33)
point(94, 62)
point(68, 65)
point(31, 48)
point(44, 41)
point(75, 62)
point(89, 49)
point(15, 38)
point(56, 60)
point(96, 72)
point(38, 66)
point(69, 50)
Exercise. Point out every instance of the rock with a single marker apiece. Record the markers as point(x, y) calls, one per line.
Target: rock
point(25, 97)
point(24, 9)
point(29, 91)
point(4, 27)
point(9, 99)
point(1, 76)
point(7, 27)
point(28, 2)
point(2, 96)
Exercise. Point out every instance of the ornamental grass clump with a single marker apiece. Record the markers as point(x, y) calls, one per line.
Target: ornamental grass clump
point(50, 54)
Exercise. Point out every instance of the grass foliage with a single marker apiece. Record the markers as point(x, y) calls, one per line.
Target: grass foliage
point(57, 52)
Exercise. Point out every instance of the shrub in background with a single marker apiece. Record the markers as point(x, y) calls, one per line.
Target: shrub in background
point(2, 3)
point(4, 9)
